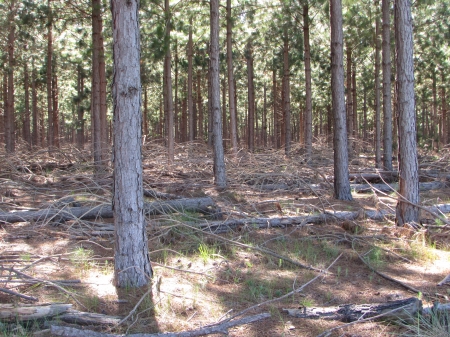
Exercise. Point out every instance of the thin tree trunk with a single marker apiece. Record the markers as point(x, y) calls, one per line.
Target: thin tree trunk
point(169, 113)
point(220, 179)
point(190, 84)
point(286, 95)
point(349, 100)
point(200, 105)
point(49, 76)
point(224, 114)
point(251, 100)
point(264, 118)
point(406, 211)
point(231, 93)
point(26, 114)
point(34, 109)
point(96, 113)
point(378, 162)
point(55, 109)
point(387, 97)
point(341, 181)
point(132, 262)
point(145, 113)
point(308, 89)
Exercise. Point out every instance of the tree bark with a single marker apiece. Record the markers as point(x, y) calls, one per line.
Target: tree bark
point(34, 109)
point(26, 113)
point(406, 211)
point(132, 262)
point(231, 93)
point(95, 104)
point(49, 76)
point(349, 101)
point(308, 89)
point(387, 97)
point(190, 84)
point(10, 140)
point(341, 182)
point(286, 95)
point(168, 89)
point(251, 99)
point(220, 179)
point(378, 162)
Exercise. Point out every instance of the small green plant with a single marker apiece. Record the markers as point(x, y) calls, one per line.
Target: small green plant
point(82, 259)
point(375, 257)
point(206, 252)
point(307, 302)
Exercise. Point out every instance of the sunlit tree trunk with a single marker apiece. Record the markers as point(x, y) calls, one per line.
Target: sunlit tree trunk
point(341, 180)
point(55, 109)
point(131, 258)
point(231, 93)
point(406, 210)
point(349, 101)
point(220, 179)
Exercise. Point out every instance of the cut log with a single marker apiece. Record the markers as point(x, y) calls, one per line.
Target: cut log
point(9, 313)
point(204, 205)
point(401, 309)
point(221, 327)
point(366, 188)
point(88, 318)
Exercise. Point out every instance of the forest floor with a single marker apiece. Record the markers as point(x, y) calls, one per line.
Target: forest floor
point(202, 278)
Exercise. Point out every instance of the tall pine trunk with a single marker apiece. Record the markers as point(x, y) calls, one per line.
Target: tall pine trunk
point(220, 179)
point(341, 180)
point(231, 92)
point(132, 262)
point(308, 89)
point(387, 97)
point(406, 211)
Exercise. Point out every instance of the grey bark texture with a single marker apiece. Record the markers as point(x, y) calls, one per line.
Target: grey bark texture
point(378, 162)
point(406, 211)
point(308, 90)
point(220, 179)
point(132, 262)
point(387, 96)
point(231, 93)
point(168, 90)
point(341, 181)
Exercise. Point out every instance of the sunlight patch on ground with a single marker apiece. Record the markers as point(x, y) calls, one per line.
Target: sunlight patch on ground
point(101, 284)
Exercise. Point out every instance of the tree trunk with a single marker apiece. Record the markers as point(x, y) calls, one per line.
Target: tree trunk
point(387, 99)
point(341, 181)
point(231, 93)
point(444, 110)
point(104, 139)
point(95, 104)
point(264, 118)
point(377, 146)
point(49, 76)
point(251, 100)
point(200, 105)
point(55, 109)
point(168, 87)
point(9, 115)
point(349, 101)
point(224, 114)
point(26, 113)
point(34, 108)
point(406, 211)
point(190, 84)
point(286, 95)
point(220, 179)
point(308, 90)
point(132, 262)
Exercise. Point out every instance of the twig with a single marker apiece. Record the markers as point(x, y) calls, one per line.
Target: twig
point(135, 307)
point(11, 292)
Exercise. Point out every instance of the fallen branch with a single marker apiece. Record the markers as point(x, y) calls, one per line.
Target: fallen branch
point(356, 312)
point(221, 327)
point(204, 205)
point(25, 297)
point(10, 313)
